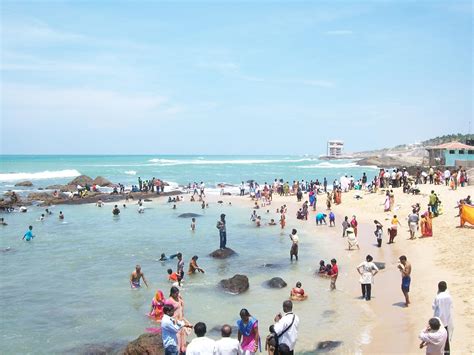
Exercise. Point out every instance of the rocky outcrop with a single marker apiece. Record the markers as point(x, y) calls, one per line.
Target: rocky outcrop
point(275, 282)
point(223, 253)
point(327, 346)
point(101, 181)
point(145, 344)
point(24, 183)
point(189, 215)
point(236, 284)
point(380, 265)
point(82, 180)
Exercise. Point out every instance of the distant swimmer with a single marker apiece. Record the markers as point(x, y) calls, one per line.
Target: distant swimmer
point(41, 219)
point(2, 222)
point(99, 203)
point(29, 234)
point(193, 224)
point(272, 222)
point(141, 209)
point(135, 277)
point(193, 266)
point(61, 215)
point(23, 209)
point(48, 212)
point(116, 211)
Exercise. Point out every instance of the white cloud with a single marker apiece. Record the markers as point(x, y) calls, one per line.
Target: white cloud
point(339, 33)
point(36, 32)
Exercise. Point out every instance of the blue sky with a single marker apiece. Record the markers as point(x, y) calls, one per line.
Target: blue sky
point(89, 77)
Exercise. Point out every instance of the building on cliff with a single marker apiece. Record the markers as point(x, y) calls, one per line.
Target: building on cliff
point(451, 154)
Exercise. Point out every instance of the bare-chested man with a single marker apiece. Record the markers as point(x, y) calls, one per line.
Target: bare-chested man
point(136, 276)
point(405, 269)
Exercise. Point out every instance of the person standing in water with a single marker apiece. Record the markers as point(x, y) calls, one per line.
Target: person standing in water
point(221, 226)
point(116, 211)
point(29, 234)
point(135, 277)
point(294, 245)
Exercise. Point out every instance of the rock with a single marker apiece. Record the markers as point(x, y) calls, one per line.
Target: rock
point(273, 266)
point(40, 188)
point(189, 215)
point(82, 180)
point(379, 265)
point(236, 284)
point(276, 282)
point(147, 200)
point(223, 253)
point(98, 349)
point(327, 346)
point(40, 196)
point(227, 194)
point(101, 181)
point(149, 344)
point(54, 187)
point(24, 183)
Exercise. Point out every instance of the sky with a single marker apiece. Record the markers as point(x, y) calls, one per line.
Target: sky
point(221, 77)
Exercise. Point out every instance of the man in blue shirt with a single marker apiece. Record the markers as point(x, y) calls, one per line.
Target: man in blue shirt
point(169, 330)
point(29, 234)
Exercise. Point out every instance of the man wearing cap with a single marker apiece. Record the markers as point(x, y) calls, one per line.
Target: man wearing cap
point(222, 231)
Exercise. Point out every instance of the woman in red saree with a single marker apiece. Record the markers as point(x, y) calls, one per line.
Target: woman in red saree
point(426, 225)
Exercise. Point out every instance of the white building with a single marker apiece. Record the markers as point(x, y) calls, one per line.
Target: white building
point(335, 148)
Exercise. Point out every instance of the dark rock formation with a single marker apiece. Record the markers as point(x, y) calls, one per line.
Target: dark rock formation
point(189, 215)
point(101, 181)
point(147, 200)
point(24, 183)
point(236, 284)
point(327, 346)
point(275, 282)
point(54, 187)
point(149, 344)
point(223, 253)
point(380, 265)
point(82, 180)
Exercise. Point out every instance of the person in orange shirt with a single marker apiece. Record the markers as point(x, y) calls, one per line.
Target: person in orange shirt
point(172, 276)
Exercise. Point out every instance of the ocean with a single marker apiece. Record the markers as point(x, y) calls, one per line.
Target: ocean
point(69, 286)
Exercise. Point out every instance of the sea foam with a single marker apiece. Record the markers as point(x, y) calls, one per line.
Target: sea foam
point(40, 175)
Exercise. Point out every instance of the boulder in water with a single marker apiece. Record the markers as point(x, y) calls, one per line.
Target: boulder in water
point(82, 180)
point(189, 215)
point(24, 183)
point(101, 181)
point(149, 343)
point(223, 253)
point(275, 282)
point(236, 284)
point(147, 200)
point(380, 265)
point(327, 346)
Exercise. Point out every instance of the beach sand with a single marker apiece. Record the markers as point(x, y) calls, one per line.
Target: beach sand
point(390, 327)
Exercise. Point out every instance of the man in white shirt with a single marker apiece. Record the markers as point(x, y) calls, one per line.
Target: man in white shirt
point(433, 337)
point(442, 306)
point(286, 328)
point(227, 345)
point(447, 175)
point(201, 345)
point(367, 271)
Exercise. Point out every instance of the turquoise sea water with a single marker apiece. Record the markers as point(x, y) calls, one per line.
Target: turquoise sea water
point(69, 286)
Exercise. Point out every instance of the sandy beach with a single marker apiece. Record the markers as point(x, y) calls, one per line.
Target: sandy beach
point(446, 256)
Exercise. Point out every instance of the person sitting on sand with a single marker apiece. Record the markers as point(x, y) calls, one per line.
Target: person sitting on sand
point(193, 266)
point(297, 293)
point(135, 277)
